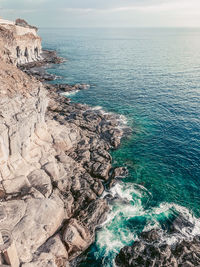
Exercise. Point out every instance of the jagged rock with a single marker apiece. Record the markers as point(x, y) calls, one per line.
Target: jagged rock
point(66, 87)
point(77, 238)
point(11, 213)
point(94, 214)
point(79, 233)
point(68, 201)
point(52, 170)
point(97, 187)
point(16, 185)
point(10, 256)
point(119, 173)
point(21, 41)
point(23, 23)
point(150, 251)
point(63, 138)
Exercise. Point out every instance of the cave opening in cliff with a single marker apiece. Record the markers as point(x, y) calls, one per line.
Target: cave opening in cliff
point(36, 51)
point(26, 52)
point(18, 51)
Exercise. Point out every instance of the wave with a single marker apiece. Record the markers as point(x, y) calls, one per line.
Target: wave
point(70, 93)
point(122, 122)
point(129, 217)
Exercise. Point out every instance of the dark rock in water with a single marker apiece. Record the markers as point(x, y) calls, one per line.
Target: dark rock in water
point(112, 183)
point(119, 173)
point(179, 223)
point(85, 211)
point(116, 174)
point(82, 86)
point(61, 88)
point(150, 236)
point(40, 74)
point(151, 251)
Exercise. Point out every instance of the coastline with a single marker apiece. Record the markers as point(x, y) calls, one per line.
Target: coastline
point(59, 164)
point(166, 248)
point(58, 181)
point(108, 128)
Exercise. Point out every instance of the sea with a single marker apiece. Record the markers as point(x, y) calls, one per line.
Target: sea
point(152, 78)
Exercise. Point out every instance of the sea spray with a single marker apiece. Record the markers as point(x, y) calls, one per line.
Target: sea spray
point(128, 218)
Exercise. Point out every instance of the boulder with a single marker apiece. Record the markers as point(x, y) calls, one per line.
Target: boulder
point(52, 253)
point(41, 182)
point(16, 185)
point(42, 219)
point(77, 238)
point(79, 233)
point(119, 173)
point(52, 170)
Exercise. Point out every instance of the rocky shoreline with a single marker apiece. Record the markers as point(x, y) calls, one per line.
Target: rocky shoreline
point(89, 162)
point(100, 132)
point(55, 165)
point(38, 68)
point(163, 248)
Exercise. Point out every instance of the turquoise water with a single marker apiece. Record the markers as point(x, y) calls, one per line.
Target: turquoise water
point(152, 76)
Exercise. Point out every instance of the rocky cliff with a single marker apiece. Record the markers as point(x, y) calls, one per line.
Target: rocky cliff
point(54, 163)
point(21, 40)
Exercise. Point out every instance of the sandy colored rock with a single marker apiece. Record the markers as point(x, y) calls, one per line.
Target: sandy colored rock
point(11, 256)
point(80, 233)
point(16, 185)
point(41, 220)
point(77, 238)
point(52, 253)
point(40, 181)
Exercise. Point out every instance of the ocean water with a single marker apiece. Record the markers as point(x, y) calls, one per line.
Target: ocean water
point(152, 77)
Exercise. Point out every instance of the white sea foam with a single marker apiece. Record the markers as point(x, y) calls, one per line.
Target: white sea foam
point(114, 234)
point(187, 232)
point(128, 205)
point(122, 120)
point(97, 108)
point(70, 93)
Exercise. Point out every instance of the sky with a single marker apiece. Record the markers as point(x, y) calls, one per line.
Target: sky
point(104, 13)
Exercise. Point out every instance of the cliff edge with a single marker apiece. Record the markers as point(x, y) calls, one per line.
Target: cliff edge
point(21, 40)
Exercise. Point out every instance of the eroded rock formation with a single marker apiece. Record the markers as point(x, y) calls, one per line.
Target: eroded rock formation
point(21, 40)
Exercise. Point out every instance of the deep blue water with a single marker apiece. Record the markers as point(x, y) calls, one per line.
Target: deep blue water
point(152, 76)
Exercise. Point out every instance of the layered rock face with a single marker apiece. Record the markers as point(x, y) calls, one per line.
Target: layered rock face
point(54, 162)
point(21, 40)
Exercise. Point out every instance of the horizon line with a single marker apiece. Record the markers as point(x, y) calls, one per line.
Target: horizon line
point(122, 27)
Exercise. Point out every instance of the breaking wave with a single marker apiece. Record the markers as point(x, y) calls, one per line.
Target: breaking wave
point(70, 93)
point(129, 217)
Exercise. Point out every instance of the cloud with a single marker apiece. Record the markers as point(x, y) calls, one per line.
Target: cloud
point(104, 12)
point(142, 6)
